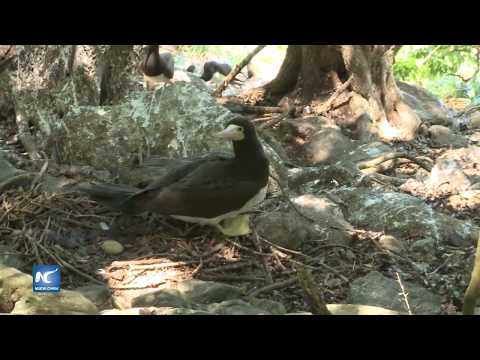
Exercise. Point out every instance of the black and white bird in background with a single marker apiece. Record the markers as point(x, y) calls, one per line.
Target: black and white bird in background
point(156, 67)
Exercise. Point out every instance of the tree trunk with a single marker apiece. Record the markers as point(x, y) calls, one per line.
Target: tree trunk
point(51, 79)
point(345, 82)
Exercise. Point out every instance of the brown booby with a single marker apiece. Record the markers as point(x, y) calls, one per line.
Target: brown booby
point(205, 191)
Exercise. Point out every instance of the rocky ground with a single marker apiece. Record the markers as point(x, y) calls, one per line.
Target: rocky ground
point(383, 228)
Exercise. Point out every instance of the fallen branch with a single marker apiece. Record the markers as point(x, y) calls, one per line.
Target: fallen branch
point(229, 278)
point(236, 70)
point(274, 286)
point(312, 293)
point(238, 107)
point(405, 298)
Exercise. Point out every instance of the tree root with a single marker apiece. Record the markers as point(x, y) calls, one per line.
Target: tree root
point(372, 163)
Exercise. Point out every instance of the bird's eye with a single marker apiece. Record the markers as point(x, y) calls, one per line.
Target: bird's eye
point(240, 129)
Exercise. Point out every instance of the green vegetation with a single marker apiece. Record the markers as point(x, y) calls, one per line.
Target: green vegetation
point(445, 70)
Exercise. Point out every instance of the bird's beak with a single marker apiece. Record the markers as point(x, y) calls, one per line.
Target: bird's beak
point(230, 133)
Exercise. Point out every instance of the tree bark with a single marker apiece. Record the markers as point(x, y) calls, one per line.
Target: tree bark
point(317, 72)
point(51, 79)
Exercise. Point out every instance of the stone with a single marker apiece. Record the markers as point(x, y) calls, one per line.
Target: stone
point(403, 216)
point(391, 243)
point(447, 175)
point(351, 309)
point(328, 146)
point(132, 311)
point(374, 289)
point(426, 245)
point(328, 218)
point(176, 120)
point(9, 258)
point(179, 311)
point(365, 130)
point(427, 106)
point(285, 229)
point(13, 285)
point(64, 303)
point(100, 295)
point(442, 136)
point(161, 298)
point(474, 122)
point(206, 292)
point(271, 306)
point(236, 307)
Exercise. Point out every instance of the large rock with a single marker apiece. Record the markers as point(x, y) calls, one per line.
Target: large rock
point(442, 136)
point(161, 298)
point(65, 303)
point(377, 290)
point(283, 228)
point(100, 295)
point(188, 294)
point(329, 222)
point(206, 292)
point(403, 216)
point(427, 107)
point(236, 307)
point(448, 173)
point(328, 146)
point(13, 285)
point(352, 309)
point(175, 120)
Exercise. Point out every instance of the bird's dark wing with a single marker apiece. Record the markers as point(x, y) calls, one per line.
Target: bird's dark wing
point(168, 64)
point(208, 197)
point(110, 195)
point(136, 202)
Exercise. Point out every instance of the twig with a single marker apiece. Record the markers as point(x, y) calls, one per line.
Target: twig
point(235, 266)
point(166, 265)
point(268, 273)
point(246, 248)
point(69, 266)
point(404, 293)
point(236, 70)
point(229, 278)
point(274, 286)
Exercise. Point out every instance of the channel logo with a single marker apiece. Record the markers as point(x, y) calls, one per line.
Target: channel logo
point(46, 278)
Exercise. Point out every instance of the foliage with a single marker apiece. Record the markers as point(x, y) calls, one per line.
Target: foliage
point(440, 68)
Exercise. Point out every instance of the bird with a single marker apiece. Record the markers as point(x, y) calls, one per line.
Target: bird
point(205, 191)
point(156, 67)
point(210, 68)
